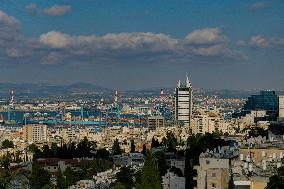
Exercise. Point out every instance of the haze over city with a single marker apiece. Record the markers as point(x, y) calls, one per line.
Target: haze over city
point(133, 44)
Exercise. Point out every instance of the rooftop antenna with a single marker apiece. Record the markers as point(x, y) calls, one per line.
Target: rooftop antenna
point(179, 83)
point(162, 96)
point(188, 82)
point(11, 106)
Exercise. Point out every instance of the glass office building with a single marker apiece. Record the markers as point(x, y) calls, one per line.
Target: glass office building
point(266, 100)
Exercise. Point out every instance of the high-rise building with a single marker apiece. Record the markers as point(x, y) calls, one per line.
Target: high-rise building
point(183, 102)
point(35, 132)
point(281, 108)
point(266, 100)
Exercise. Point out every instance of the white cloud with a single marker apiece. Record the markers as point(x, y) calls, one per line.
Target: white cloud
point(147, 46)
point(131, 41)
point(55, 39)
point(7, 22)
point(55, 47)
point(57, 10)
point(205, 36)
point(260, 42)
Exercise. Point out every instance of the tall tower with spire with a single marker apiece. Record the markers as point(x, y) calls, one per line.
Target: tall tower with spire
point(183, 102)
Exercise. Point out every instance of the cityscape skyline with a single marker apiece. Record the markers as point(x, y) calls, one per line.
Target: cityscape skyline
point(228, 45)
point(132, 94)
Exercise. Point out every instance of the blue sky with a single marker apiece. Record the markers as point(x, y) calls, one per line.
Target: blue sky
point(139, 44)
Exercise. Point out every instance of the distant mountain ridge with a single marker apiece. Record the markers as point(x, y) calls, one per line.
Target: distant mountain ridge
point(45, 89)
point(81, 88)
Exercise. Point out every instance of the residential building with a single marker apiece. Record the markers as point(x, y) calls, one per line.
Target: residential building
point(35, 132)
point(155, 122)
point(173, 181)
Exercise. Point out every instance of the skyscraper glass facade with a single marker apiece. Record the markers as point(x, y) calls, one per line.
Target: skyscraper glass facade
point(266, 100)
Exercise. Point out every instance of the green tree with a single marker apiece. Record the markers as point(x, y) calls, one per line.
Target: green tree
point(46, 152)
point(7, 144)
point(138, 177)
point(35, 150)
point(170, 141)
point(5, 174)
point(118, 185)
point(96, 167)
point(85, 147)
point(161, 163)
point(5, 161)
point(144, 150)
point(54, 150)
point(47, 186)
point(71, 177)
point(116, 148)
point(60, 180)
point(277, 180)
point(155, 143)
point(132, 147)
point(125, 177)
point(32, 148)
point(39, 177)
point(102, 154)
point(150, 175)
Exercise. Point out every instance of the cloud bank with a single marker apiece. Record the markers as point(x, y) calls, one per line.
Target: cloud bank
point(55, 47)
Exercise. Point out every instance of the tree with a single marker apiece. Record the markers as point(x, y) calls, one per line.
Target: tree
point(54, 150)
point(132, 147)
point(102, 154)
point(96, 167)
point(161, 163)
point(47, 186)
point(85, 146)
point(118, 185)
point(35, 150)
point(170, 141)
point(277, 180)
point(71, 177)
point(125, 177)
point(5, 174)
point(144, 150)
point(5, 177)
point(60, 180)
point(32, 148)
point(150, 174)
point(116, 148)
point(39, 177)
point(46, 152)
point(7, 144)
point(155, 143)
point(5, 161)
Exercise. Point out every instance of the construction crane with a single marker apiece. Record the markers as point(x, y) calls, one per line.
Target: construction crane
point(11, 107)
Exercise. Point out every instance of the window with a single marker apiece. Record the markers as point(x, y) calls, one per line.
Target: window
point(207, 162)
point(213, 174)
point(213, 185)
